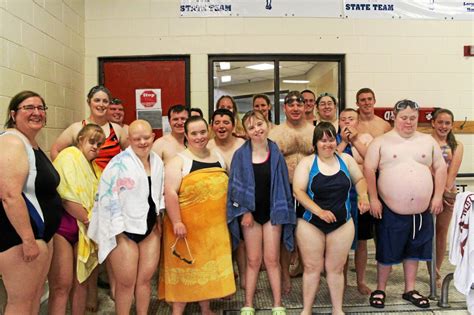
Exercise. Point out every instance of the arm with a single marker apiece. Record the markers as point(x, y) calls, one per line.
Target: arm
point(440, 174)
point(173, 180)
point(361, 143)
point(14, 169)
point(360, 184)
point(300, 184)
point(76, 210)
point(371, 163)
point(122, 135)
point(158, 146)
point(65, 139)
point(454, 166)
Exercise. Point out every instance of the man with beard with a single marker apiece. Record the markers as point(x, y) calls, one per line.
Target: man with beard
point(169, 145)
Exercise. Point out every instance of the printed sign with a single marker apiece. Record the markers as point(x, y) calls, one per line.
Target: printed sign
point(148, 98)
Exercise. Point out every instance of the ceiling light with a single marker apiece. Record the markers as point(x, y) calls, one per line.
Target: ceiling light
point(226, 78)
point(261, 66)
point(224, 65)
point(296, 81)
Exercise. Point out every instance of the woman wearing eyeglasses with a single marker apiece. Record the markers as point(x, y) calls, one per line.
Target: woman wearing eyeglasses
point(197, 262)
point(75, 255)
point(325, 230)
point(126, 222)
point(30, 210)
point(260, 206)
point(326, 105)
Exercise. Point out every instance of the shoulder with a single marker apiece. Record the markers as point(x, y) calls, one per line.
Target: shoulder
point(12, 144)
point(239, 142)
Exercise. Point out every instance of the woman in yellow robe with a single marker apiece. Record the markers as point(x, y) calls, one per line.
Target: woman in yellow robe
point(198, 267)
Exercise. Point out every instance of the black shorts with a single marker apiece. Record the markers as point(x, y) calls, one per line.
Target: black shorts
point(365, 226)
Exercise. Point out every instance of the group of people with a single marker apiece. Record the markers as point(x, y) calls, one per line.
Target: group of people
point(295, 197)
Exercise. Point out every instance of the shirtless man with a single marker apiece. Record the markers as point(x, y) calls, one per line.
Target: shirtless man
point(355, 143)
point(368, 122)
point(116, 114)
point(309, 101)
point(294, 138)
point(411, 181)
point(171, 144)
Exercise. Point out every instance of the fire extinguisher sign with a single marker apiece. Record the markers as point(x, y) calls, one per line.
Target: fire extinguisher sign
point(148, 99)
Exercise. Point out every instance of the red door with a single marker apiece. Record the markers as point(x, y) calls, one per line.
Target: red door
point(124, 75)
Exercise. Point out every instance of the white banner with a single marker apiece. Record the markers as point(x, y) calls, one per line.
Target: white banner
point(261, 8)
point(368, 9)
point(410, 9)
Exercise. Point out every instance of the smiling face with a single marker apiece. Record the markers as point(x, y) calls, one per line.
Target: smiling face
point(98, 104)
point(294, 110)
point(140, 137)
point(406, 121)
point(222, 126)
point(197, 135)
point(177, 121)
point(261, 104)
point(327, 108)
point(309, 102)
point(326, 146)
point(226, 103)
point(115, 113)
point(442, 125)
point(366, 102)
point(257, 129)
point(27, 120)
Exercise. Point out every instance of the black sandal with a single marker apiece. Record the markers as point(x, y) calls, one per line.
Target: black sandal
point(421, 302)
point(377, 302)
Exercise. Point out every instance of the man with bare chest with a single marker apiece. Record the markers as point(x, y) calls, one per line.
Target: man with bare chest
point(171, 144)
point(409, 189)
point(294, 138)
point(368, 122)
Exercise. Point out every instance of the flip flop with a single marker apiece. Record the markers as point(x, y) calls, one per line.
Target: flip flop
point(421, 302)
point(247, 311)
point(377, 302)
point(279, 311)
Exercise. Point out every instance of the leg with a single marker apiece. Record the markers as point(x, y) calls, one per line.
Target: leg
point(253, 245)
point(312, 257)
point(92, 291)
point(338, 244)
point(360, 259)
point(442, 225)
point(271, 257)
point(178, 308)
point(124, 261)
point(410, 268)
point(241, 263)
point(24, 299)
point(383, 272)
point(149, 251)
point(206, 307)
point(285, 258)
point(60, 277)
point(44, 276)
point(110, 275)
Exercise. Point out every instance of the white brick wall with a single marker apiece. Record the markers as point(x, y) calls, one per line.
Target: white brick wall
point(42, 49)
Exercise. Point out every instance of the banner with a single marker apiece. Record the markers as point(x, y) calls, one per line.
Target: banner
point(261, 8)
point(358, 9)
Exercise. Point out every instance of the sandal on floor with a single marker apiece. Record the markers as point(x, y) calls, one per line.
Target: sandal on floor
point(377, 302)
point(279, 311)
point(421, 301)
point(247, 311)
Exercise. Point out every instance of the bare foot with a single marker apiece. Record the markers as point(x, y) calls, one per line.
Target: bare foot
point(363, 289)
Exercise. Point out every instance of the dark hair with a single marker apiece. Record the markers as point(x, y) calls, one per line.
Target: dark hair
point(308, 91)
point(15, 102)
point(451, 139)
point(191, 120)
point(267, 99)
point(195, 109)
point(256, 114)
point(320, 96)
point(321, 129)
point(116, 101)
point(348, 109)
point(364, 90)
point(234, 105)
point(222, 112)
point(292, 94)
point(178, 108)
point(90, 131)
point(98, 88)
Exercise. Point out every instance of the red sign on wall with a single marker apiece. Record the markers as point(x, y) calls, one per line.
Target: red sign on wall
point(386, 113)
point(148, 98)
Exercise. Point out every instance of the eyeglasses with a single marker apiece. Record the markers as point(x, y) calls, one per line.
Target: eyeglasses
point(400, 105)
point(175, 253)
point(290, 100)
point(31, 108)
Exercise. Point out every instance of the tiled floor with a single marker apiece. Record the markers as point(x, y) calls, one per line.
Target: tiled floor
point(354, 303)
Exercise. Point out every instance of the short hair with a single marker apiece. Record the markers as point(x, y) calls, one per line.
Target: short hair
point(222, 112)
point(320, 96)
point(191, 120)
point(348, 109)
point(257, 114)
point(364, 90)
point(308, 91)
point(291, 94)
point(116, 101)
point(15, 102)
point(321, 129)
point(90, 131)
point(195, 109)
point(98, 88)
point(177, 108)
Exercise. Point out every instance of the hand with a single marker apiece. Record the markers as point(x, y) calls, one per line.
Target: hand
point(376, 208)
point(352, 133)
point(436, 205)
point(179, 230)
point(30, 250)
point(345, 135)
point(363, 206)
point(327, 216)
point(247, 220)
